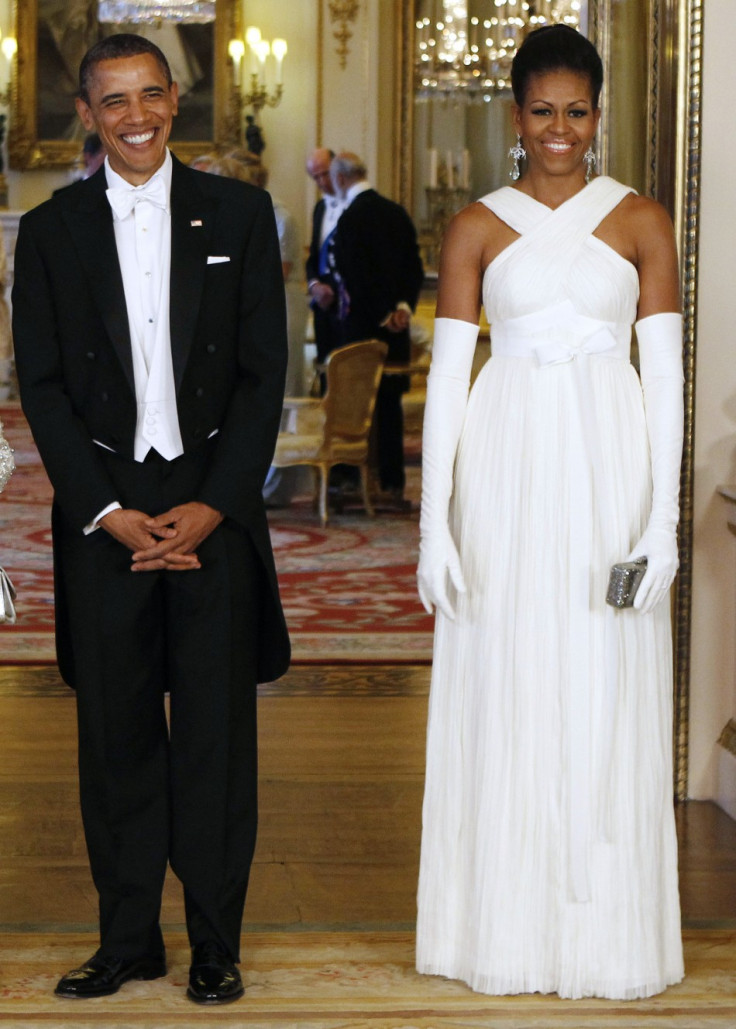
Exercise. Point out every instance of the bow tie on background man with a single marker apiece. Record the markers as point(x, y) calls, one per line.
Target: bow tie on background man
point(123, 199)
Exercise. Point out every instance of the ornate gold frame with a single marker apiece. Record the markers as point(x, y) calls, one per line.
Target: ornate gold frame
point(26, 150)
point(673, 160)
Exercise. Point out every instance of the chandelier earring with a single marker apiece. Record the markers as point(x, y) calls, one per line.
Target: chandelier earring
point(589, 159)
point(518, 153)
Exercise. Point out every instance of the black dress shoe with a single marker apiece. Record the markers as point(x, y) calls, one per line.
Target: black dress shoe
point(213, 977)
point(101, 976)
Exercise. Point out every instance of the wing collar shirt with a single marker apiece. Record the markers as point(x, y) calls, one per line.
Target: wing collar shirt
point(142, 223)
point(333, 210)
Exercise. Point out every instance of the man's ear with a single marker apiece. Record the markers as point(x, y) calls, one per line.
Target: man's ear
point(175, 96)
point(85, 114)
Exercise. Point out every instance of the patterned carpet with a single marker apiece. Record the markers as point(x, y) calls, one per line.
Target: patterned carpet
point(349, 590)
point(347, 981)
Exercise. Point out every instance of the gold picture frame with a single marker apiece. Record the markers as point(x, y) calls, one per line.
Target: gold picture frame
point(671, 138)
point(35, 139)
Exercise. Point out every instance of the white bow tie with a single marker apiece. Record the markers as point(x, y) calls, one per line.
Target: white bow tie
point(123, 199)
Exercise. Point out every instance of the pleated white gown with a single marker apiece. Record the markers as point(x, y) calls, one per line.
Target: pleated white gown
point(549, 858)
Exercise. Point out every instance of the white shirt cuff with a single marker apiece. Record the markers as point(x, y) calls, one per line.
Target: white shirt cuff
point(95, 523)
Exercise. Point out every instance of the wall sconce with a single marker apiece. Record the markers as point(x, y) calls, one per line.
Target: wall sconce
point(258, 51)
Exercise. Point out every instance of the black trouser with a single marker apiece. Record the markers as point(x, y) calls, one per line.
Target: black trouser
point(389, 419)
point(149, 795)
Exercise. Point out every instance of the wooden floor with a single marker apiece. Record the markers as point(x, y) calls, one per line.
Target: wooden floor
point(342, 755)
point(341, 758)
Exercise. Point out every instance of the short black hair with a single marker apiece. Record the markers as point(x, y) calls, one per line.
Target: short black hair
point(556, 48)
point(122, 44)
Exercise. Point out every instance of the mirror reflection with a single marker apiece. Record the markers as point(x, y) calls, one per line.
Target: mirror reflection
point(461, 56)
point(462, 96)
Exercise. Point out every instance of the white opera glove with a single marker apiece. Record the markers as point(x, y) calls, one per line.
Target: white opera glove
point(448, 384)
point(660, 359)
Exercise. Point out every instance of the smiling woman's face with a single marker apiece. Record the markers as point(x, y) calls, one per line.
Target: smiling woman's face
point(557, 121)
point(131, 106)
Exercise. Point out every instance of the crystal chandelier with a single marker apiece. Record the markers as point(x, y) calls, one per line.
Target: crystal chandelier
point(468, 57)
point(142, 12)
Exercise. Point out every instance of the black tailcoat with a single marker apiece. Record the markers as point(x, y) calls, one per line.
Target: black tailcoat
point(377, 256)
point(228, 339)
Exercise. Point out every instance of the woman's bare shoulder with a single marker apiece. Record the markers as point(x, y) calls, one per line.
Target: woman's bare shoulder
point(476, 229)
point(645, 214)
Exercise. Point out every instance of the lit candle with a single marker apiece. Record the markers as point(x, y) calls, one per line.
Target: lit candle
point(236, 49)
point(450, 170)
point(279, 49)
point(9, 48)
point(433, 168)
point(253, 38)
point(465, 170)
point(262, 51)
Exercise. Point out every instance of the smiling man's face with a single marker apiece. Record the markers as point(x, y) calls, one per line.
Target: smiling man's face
point(131, 106)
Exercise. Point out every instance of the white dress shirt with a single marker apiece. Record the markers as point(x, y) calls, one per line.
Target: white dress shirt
point(143, 238)
point(333, 209)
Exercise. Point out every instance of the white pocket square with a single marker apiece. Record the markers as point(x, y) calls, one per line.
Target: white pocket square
point(217, 260)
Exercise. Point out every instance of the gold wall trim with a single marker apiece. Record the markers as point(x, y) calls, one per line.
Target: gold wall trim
point(690, 42)
point(343, 13)
point(404, 163)
point(320, 99)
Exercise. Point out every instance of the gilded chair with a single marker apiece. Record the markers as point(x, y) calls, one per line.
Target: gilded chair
point(335, 429)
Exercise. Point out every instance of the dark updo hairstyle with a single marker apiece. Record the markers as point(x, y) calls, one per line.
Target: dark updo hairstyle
point(122, 44)
point(556, 48)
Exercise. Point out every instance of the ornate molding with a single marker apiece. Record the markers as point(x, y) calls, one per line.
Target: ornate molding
point(404, 157)
point(688, 191)
point(344, 13)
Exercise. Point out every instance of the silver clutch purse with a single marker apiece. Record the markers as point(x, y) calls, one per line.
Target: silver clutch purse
point(624, 581)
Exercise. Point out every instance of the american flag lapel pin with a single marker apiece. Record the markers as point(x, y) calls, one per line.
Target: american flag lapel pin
point(196, 223)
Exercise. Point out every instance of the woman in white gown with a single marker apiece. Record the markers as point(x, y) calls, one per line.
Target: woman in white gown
point(548, 849)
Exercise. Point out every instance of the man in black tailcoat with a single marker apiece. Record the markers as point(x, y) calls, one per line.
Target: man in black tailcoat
point(150, 335)
point(375, 261)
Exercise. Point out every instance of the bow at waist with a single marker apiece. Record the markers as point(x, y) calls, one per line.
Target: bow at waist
point(559, 333)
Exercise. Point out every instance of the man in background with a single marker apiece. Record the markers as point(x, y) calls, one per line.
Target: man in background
point(320, 283)
point(378, 273)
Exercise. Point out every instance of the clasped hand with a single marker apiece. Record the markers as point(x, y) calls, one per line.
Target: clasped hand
point(323, 295)
point(398, 320)
point(169, 541)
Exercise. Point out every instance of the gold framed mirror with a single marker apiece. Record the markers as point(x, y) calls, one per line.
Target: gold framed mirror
point(649, 137)
point(52, 37)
